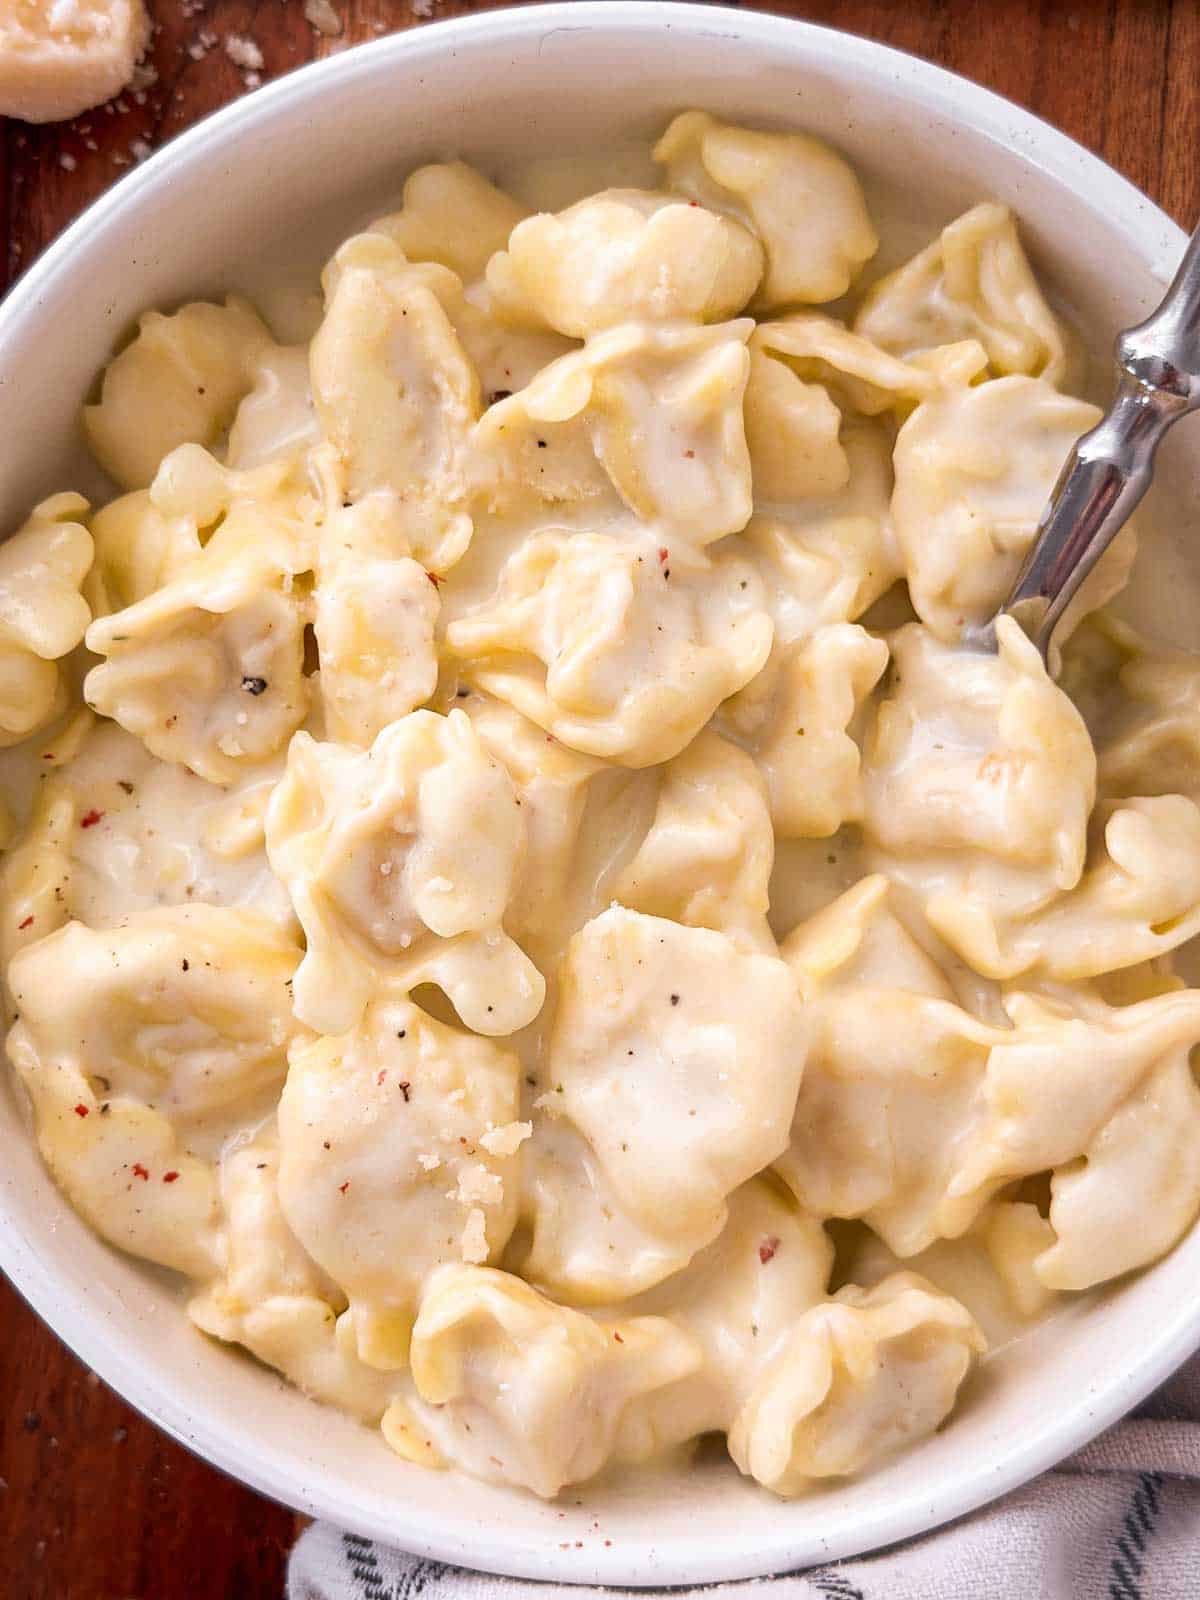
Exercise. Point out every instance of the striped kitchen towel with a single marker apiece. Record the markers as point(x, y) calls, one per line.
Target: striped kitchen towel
point(1118, 1521)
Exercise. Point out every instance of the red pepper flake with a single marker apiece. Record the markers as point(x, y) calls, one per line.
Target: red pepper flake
point(342, 1187)
point(90, 818)
point(139, 1171)
point(767, 1249)
point(170, 1177)
point(618, 1337)
point(434, 579)
point(406, 1091)
point(28, 923)
point(81, 1110)
point(664, 554)
point(48, 755)
point(381, 1077)
point(689, 455)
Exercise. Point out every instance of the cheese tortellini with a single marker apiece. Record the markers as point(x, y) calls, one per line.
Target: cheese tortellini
point(627, 255)
point(401, 861)
point(974, 469)
point(389, 1162)
point(797, 194)
point(973, 282)
point(514, 1387)
point(610, 647)
point(178, 382)
point(660, 407)
point(513, 885)
point(706, 861)
point(208, 670)
point(130, 1042)
point(861, 1376)
point(662, 1025)
point(43, 614)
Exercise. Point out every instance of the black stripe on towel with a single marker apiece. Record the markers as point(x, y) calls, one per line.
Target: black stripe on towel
point(364, 1568)
point(1133, 1541)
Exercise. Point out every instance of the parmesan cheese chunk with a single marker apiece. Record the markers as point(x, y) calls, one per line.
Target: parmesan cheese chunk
point(63, 57)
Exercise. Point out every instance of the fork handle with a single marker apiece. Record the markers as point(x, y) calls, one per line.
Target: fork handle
point(1109, 469)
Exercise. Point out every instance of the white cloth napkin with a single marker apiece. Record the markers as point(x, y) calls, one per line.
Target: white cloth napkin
point(1118, 1521)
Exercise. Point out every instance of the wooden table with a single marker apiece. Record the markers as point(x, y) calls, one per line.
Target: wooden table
point(95, 1503)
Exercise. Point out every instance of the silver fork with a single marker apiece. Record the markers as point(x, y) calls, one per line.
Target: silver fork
point(1109, 469)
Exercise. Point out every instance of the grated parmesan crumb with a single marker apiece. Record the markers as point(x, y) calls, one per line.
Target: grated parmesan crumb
point(421, 8)
point(506, 1141)
point(478, 1186)
point(323, 17)
point(67, 162)
point(429, 1161)
point(243, 52)
point(473, 1244)
point(140, 150)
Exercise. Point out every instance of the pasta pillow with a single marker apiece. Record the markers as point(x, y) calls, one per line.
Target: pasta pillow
point(612, 645)
point(974, 469)
point(978, 768)
point(862, 1375)
point(272, 1297)
point(43, 614)
point(395, 1156)
point(665, 1027)
point(187, 1011)
point(178, 382)
point(394, 391)
point(375, 609)
point(706, 861)
point(972, 282)
point(400, 861)
point(520, 1390)
point(208, 670)
point(659, 408)
point(795, 193)
point(626, 255)
point(451, 214)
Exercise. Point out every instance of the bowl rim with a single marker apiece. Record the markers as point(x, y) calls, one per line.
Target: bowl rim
point(78, 1322)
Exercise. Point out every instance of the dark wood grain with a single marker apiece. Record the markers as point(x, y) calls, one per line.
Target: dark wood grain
point(95, 1503)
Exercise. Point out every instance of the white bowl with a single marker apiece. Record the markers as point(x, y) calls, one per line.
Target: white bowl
point(277, 177)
